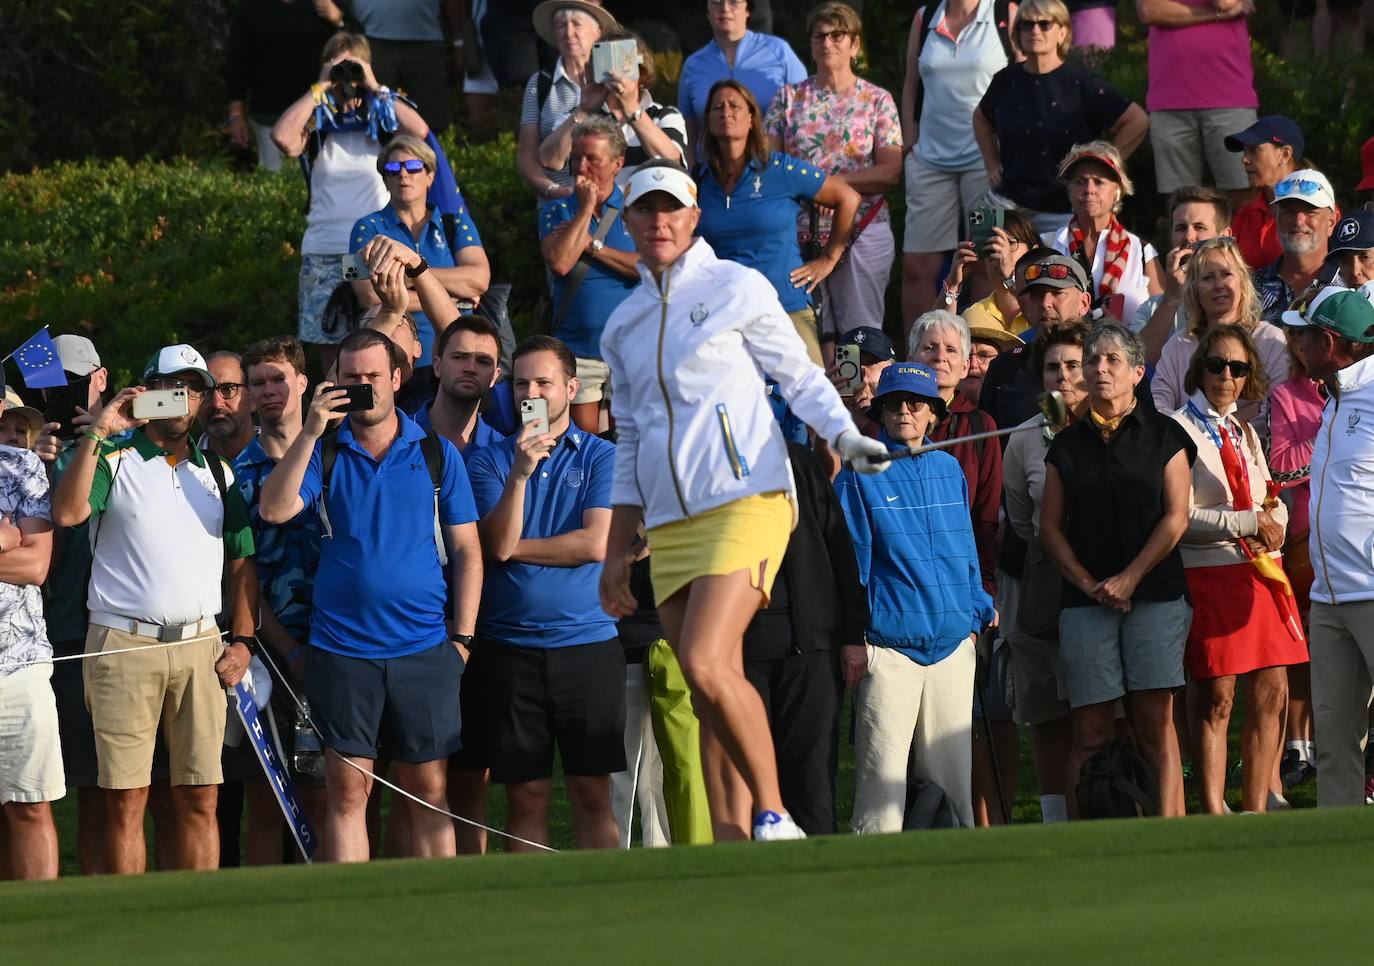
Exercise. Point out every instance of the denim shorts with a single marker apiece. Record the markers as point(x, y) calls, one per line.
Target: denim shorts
point(1106, 653)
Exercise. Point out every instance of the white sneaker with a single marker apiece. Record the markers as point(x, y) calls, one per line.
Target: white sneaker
point(772, 827)
point(1278, 803)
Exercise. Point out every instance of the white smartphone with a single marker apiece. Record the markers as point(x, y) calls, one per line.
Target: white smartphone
point(847, 365)
point(614, 57)
point(355, 268)
point(535, 412)
point(161, 404)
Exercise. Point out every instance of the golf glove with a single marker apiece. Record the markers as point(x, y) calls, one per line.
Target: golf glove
point(855, 448)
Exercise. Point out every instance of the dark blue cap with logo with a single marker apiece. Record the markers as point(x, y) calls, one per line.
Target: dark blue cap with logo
point(870, 340)
point(1353, 233)
point(1272, 129)
point(911, 378)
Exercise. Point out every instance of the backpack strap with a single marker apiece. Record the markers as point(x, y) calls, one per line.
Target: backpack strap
point(329, 454)
point(433, 450)
point(543, 84)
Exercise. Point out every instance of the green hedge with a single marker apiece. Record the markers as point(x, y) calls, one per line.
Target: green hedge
point(146, 254)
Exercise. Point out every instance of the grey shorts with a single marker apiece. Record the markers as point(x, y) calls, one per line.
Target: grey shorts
point(1106, 653)
point(1182, 140)
point(1037, 677)
point(320, 276)
point(938, 203)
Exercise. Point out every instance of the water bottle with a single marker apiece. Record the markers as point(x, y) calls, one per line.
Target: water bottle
point(307, 756)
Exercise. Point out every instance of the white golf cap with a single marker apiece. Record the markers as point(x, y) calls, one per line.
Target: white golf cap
point(77, 353)
point(1295, 319)
point(665, 177)
point(1309, 186)
point(173, 359)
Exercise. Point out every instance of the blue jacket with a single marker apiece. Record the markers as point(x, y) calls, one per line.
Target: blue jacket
point(914, 539)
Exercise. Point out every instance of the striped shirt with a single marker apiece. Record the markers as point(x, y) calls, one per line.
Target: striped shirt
point(564, 96)
point(667, 119)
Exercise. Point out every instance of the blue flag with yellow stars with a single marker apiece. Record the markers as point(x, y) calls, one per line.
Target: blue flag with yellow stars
point(38, 362)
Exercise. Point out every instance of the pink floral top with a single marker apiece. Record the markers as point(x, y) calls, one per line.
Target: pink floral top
point(1295, 416)
point(835, 131)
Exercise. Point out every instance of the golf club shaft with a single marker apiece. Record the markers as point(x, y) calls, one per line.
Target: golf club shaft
point(956, 440)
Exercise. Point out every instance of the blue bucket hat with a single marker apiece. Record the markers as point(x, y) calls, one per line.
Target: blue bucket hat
point(911, 378)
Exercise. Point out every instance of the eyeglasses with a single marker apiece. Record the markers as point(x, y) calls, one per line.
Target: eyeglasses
point(192, 388)
point(1056, 272)
point(1216, 365)
point(411, 165)
point(1216, 242)
point(895, 404)
point(725, 3)
point(1026, 26)
point(1297, 186)
point(228, 390)
point(987, 355)
point(834, 36)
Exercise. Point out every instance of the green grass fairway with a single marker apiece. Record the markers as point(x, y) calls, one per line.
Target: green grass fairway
point(1199, 889)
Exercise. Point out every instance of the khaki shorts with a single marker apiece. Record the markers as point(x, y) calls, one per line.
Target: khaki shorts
point(1183, 140)
point(593, 381)
point(30, 750)
point(804, 319)
point(938, 203)
point(129, 694)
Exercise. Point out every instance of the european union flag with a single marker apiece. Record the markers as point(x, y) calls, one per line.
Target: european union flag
point(38, 362)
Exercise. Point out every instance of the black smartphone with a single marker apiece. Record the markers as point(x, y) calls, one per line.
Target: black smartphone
point(359, 398)
point(60, 402)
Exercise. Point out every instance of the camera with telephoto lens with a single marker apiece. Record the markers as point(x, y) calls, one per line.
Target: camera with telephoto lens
point(347, 78)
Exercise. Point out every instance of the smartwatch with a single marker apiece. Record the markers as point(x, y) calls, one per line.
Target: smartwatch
point(417, 270)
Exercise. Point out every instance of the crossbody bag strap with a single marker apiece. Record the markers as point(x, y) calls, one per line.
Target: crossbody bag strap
point(579, 271)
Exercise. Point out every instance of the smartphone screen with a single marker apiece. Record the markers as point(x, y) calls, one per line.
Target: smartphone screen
point(535, 412)
point(360, 398)
point(60, 402)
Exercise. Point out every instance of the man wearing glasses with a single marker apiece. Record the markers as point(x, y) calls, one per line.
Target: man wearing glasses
point(166, 519)
point(225, 415)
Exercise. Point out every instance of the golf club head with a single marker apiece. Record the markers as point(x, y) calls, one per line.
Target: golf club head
point(1055, 409)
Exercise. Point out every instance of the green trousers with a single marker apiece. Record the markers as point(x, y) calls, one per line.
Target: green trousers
point(678, 736)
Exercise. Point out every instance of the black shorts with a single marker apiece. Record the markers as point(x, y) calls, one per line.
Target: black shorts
point(534, 697)
point(473, 755)
point(404, 709)
point(74, 726)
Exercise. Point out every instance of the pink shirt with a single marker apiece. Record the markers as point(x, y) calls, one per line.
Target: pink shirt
point(1201, 67)
point(1295, 415)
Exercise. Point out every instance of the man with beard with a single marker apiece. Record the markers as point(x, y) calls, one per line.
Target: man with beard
point(1304, 213)
point(384, 666)
point(168, 516)
point(225, 415)
point(466, 366)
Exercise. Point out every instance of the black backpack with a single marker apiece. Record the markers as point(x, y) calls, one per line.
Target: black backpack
point(1001, 18)
point(433, 451)
point(1117, 783)
point(927, 806)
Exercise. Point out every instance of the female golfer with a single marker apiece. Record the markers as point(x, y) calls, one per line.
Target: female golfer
point(700, 458)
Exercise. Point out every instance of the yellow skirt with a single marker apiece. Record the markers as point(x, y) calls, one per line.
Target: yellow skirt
point(747, 534)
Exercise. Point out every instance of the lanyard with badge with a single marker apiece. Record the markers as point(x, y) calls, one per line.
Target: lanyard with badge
point(1201, 417)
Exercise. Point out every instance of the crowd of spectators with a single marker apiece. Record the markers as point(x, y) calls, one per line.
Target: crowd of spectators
point(460, 560)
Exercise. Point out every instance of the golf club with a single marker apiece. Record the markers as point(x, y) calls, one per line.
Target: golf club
point(1052, 405)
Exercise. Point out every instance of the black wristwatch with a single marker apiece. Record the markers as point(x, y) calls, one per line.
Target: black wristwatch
point(463, 639)
point(415, 271)
point(248, 642)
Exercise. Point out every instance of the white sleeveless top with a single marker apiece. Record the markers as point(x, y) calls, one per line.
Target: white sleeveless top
point(954, 77)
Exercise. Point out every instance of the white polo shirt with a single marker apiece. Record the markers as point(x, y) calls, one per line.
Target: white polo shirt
point(159, 535)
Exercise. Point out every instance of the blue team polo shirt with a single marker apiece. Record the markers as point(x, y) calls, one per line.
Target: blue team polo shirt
point(763, 63)
point(756, 224)
point(601, 290)
point(484, 435)
point(379, 590)
point(432, 246)
point(531, 605)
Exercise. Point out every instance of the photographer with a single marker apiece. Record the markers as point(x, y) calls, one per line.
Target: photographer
point(339, 125)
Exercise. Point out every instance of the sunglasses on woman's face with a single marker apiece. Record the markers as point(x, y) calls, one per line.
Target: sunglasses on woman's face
point(411, 165)
point(1216, 365)
point(1026, 26)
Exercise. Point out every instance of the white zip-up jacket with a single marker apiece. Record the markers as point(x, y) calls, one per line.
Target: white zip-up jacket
point(1341, 540)
point(687, 356)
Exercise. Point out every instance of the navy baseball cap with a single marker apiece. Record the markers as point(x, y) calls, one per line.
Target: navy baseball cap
point(1272, 129)
point(870, 340)
point(1354, 233)
point(912, 378)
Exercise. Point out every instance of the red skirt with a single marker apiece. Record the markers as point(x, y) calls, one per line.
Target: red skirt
point(1237, 625)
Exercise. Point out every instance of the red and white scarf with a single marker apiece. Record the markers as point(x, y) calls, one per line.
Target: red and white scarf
point(1118, 244)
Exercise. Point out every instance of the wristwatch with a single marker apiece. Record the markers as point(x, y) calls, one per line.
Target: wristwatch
point(463, 639)
point(949, 297)
point(415, 271)
point(1009, 283)
point(631, 118)
point(596, 245)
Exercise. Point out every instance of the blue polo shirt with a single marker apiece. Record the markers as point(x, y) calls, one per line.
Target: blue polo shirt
point(763, 63)
point(379, 590)
point(531, 605)
point(484, 435)
point(756, 224)
point(432, 246)
point(602, 289)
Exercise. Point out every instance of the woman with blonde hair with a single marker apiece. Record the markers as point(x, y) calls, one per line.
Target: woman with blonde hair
point(1034, 111)
point(1217, 291)
point(1124, 271)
